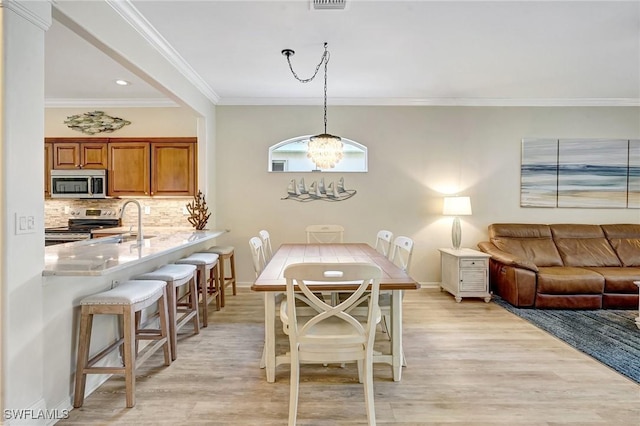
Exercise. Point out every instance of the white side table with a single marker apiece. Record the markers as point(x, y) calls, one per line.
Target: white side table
point(638, 319)
point(465, 273)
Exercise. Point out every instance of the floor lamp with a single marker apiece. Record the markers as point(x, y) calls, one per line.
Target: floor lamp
point(456, 206)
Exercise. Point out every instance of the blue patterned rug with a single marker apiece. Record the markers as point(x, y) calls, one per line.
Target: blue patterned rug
point(608, 335)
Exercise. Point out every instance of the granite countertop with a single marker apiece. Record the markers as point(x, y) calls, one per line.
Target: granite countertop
point(108, 254)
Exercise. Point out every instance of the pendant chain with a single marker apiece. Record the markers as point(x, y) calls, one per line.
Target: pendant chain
point(324, 59)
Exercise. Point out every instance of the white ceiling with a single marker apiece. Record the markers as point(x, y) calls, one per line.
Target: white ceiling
point(382, 53)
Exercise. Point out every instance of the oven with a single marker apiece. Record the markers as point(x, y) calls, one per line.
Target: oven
point(80, 225)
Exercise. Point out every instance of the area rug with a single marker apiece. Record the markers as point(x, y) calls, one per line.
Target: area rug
point(610, 336)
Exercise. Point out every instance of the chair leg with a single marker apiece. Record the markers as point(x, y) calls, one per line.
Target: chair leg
point(368, 390)
point(164, 326)
point(222, 278)
point(193, 301)
point(173, 314)
point(86, 320)
point(232, 262)
point(129, 359)
point(293, 389)
point(202, 289)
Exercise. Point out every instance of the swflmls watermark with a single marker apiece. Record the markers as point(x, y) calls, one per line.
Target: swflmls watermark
point(30, 414)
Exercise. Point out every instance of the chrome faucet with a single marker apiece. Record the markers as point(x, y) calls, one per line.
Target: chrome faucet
point(140, 239)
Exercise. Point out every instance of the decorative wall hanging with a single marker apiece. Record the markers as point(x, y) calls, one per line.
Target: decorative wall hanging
point(586, 173)
point(199, 212)
point(318, 191)
point(95, 122)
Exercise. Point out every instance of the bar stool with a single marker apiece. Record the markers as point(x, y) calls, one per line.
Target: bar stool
point(185, 304)
point(208, 279)
point(226, 253)
point(128, 300)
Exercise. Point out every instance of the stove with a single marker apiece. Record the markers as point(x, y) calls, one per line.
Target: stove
point(80, 224)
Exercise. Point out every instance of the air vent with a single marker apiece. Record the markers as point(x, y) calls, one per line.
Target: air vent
point(329, 4)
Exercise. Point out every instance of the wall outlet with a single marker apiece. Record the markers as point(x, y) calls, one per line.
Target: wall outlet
point(184, 210)
point(147, 209)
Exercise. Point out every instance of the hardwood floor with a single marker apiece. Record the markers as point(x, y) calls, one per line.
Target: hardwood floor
point(469, 363)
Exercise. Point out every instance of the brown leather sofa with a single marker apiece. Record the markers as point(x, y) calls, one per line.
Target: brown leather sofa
point(565, 266)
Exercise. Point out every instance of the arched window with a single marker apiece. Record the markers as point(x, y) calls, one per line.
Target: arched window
point(291, 156)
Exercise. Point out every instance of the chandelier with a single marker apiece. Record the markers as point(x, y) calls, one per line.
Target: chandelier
point(324, 150)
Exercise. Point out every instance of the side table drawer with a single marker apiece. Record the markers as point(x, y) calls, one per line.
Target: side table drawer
point(473, 263)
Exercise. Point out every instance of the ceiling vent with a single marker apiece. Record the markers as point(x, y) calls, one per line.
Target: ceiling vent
point(329, 4)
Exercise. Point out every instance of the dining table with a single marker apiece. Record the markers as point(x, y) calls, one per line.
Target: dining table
point(272, 283)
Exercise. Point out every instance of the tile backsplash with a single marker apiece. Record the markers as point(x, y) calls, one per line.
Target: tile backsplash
point(162, 211)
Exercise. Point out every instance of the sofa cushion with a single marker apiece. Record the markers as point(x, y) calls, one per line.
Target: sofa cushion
point(583, 245)
point(569, 280)
point(625, 240)
point(619, 279)
point(529, 242)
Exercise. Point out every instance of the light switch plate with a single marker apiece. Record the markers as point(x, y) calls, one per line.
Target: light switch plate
point(25, 223)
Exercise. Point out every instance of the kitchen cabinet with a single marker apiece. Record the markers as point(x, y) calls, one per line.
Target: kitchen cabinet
point(129, 168)
point(48, 164)
point(173, 168)
point(152, 167)
point(79, 153)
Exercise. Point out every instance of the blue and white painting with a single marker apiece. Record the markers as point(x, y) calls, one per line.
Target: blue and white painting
point(539, 173)
point(585, 173)
point(634, 174)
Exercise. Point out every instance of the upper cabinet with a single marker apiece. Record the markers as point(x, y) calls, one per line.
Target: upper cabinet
point(173, 168)
point(152, 167)
point(79, 153)
point(129, 168)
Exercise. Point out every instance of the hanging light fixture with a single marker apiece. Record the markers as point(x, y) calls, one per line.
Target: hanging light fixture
point(324, 150)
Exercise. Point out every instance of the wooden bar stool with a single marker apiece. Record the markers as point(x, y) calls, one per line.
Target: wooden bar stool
point(226, 253)
point(208, 279)
point(127, 300)
point(183, 303)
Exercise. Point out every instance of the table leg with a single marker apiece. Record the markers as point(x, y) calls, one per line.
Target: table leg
point(396, 334)
point(269, 353)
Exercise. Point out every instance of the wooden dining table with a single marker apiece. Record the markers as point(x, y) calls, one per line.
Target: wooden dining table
point(271, 281)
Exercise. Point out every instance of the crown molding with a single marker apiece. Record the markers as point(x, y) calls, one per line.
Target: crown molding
point(470, 102)
point(112, 103)
point(480, 102)
point(21, 9)
point(138, 22)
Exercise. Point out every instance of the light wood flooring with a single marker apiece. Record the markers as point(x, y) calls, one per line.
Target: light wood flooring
point(469, 363)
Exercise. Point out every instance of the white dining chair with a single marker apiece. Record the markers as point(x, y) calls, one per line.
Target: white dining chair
point(266, 245)
point(401, 254)
point(257, 254)
point(324, 234)
point(402, 251)
point(332, 334)
point(383, 242)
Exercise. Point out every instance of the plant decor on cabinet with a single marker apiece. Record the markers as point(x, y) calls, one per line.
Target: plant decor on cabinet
point(198, 211)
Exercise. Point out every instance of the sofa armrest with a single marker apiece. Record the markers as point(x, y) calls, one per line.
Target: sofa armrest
point(506, 258)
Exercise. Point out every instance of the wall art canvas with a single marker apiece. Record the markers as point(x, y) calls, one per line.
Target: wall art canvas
point(580, 173)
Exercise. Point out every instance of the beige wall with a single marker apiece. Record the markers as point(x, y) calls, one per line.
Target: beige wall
point(415, 155)
point(145, 122)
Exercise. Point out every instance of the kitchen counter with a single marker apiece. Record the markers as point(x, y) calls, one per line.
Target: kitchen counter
point(101, 256)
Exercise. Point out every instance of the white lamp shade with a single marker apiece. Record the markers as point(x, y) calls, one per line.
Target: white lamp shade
point(456, 206)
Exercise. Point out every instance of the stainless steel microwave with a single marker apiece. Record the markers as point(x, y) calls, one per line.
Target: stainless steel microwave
point(79, 183)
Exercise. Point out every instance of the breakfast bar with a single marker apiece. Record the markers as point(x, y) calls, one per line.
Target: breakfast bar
point(75, 270)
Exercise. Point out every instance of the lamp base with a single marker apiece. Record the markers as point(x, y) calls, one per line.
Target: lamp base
point(456, 233)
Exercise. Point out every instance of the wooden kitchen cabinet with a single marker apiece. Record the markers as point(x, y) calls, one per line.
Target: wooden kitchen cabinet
point(152, 167)
point(173, 168)
point(79, 153)
point(129, 168)
point(48, 164)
